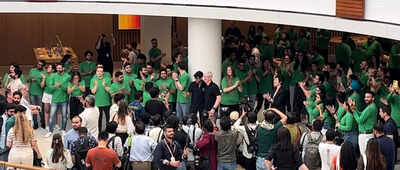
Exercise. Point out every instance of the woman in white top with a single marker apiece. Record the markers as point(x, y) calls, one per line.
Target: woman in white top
point(57, 157)
point(21, 140)
point(125, 125)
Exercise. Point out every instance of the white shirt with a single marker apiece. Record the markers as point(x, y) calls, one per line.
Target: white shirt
point(27, 105)
point(15, 85)
point(113, 111)
point(327, 152)
point(90, 120)
point(197, 134)
point(242, 131)
point(156, 134)
point(61, 164)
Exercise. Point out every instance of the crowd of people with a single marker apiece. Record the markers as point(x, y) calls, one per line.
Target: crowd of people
point(281, 104)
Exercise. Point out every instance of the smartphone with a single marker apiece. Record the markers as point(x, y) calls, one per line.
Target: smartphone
point(395, 84)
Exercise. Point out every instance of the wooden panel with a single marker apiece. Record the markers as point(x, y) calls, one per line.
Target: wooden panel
point(353, 9)
point(20, 33)
point(122, 38)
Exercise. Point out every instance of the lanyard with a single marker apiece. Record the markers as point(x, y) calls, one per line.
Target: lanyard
point(169, 149)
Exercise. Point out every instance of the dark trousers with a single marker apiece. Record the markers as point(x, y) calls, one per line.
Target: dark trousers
point(250, 164)
point(37, 100)
point(106, 111)
point(324, 53)
point(75, 107)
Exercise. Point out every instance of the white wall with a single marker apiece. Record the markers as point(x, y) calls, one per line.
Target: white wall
point(159, 28)
point(386, 12)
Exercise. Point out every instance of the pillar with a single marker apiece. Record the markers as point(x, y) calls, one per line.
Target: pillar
point(204, 47)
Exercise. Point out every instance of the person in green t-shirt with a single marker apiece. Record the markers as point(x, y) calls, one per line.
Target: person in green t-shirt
point(394, 61)
point(302, 42)
point(265, 84)
point(66, 62)
point(366, 120)
point(267, 49)
point(323, 38)
point(343, 54)
point(47, 92)
point(230, 61)
point(231, 88)
point(178, 59)
point(182, 82)
point(76, 89)
point(393, 100)
point(155, 54)
point(167, 89)
point(36, 91)
point(59, 100)
point(100, 87)
point(357, 55)
point(87, 70)
point(373, 50)
point(129, 78)
point(244, 76)
point(119, 86)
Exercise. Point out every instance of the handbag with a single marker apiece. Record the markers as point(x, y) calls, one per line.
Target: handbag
point(205, 162)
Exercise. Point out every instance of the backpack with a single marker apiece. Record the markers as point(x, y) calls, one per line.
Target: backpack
point(312, 157)
point(252, 146)
point(82, 149)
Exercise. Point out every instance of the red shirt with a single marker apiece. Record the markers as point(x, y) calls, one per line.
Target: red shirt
point(102, 158)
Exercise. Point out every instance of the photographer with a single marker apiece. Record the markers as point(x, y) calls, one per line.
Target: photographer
point(249, 132)
point(194, 132)
point(266, 134)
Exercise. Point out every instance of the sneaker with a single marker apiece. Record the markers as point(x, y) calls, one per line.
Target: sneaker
point(48, 135)
point(56, 127)
point(63, 133)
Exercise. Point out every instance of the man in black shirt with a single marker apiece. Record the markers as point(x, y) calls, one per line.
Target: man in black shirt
point(212, 95)
point(154, 106)
point(168, 153)
point(390, 127)
point(196, 89)
point(386, 145)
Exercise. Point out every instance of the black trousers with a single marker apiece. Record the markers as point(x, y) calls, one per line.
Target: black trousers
point(260, 100)
point(75, 107)
point(106, 111)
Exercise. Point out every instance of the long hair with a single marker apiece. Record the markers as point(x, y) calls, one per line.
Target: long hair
point(229, 79)
point(122, 112)
point(58, 148)
point(348, 158)
point(375, 159)
point(283, 140)
point(22, 128)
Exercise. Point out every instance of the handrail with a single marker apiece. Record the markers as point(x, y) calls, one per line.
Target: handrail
point(27, 167)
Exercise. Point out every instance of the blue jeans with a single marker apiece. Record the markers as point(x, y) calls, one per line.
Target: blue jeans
point(53, 110)
point(37, 100)
point(182, 109)
point(260, 163)
point(226, 166)
point(352, 137)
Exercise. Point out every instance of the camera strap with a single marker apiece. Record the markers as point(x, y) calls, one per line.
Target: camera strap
point(194, 131)
point(169, 149)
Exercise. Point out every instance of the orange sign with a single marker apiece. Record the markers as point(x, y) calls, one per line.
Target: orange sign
point(128, 22)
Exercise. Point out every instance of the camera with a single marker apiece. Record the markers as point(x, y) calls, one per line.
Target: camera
point(196, 155)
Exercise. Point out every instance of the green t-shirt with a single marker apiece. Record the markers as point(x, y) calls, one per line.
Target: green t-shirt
point(367, 118)
point(47, 88)
point(117, 87)
point(130, 79)
point(323, 37)
point(242, 74)
point(102, 97)
point(319, 60)
point(87, 66)
point(59, 93)
point(232, 97)
point(34, 79)
point(183, 95)
point(347, 122)
point(357, 98)
point(146, 97)
point(253, 84)
point(153, 53)
point(394, 102)
point(381, 93)
point(343, 54)
point(267, 52)
point(5, 79)
point(364, 78)
point(227, 63)
point(312, 110)
point(165, 86)
point(372, 49)
point(266, 137)
point(302, 44)
point(357, 55)
point(76, 91)
point(394, 60)
point(328, 119)
point(67, 68)
point(265, 85)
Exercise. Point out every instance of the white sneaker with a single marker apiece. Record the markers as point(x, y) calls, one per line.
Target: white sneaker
point(47, 128)
point(63, 133)
point(56, 127)
point(48, 135)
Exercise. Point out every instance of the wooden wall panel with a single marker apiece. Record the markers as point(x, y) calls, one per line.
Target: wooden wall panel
point(22, 32)
point(122, 38)
point(353, 9)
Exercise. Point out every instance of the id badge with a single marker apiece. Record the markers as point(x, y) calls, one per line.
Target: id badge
point(172, 159)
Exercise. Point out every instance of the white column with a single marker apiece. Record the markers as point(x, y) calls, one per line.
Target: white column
point(204, 47)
